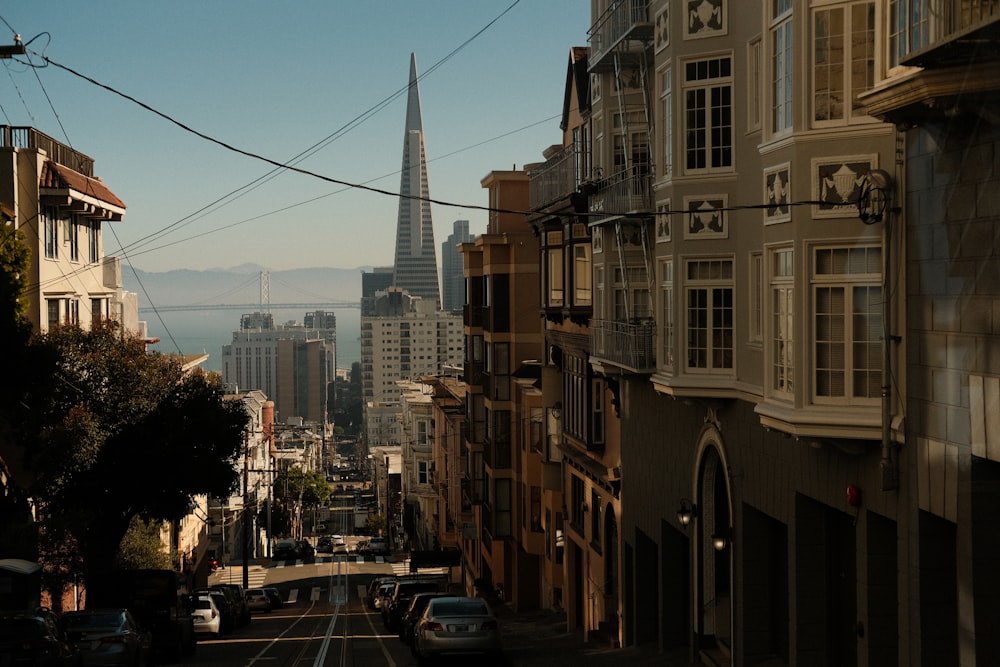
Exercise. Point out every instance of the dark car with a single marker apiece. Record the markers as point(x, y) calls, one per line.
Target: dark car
point(374, 585)
point(306, 550)
point(274, 595)
point(239, 600)
point(324, 545)
point(406, 588)
point(107, 637)
point(413, 613)
point(286, 550)
point(36, 639)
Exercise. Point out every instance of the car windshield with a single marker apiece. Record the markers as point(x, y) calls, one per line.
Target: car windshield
point(202, 603)
point(109, 619)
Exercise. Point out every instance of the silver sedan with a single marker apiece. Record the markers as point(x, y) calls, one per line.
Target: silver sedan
point(453, 625)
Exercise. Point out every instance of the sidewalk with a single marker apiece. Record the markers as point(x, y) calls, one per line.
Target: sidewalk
point(541, 638)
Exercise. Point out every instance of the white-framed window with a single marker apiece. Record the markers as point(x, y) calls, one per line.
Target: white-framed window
point(583, 263)
point(631, 294)
point(843, 61)
point(94, 242)
point(425, 472)
point(847, 324)
point(708, 290)
point(782, 279)
point(756, 294)
point(666, 322)
point(73, 230)
point(667, 102)
point(708, 114)
point(50, 220)
point(554, 269)
point(781, 66)
point(909, 28)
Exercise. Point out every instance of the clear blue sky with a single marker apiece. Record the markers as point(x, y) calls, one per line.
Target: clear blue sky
point(274, 79)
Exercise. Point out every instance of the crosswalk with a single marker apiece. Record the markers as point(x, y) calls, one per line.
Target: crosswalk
point(319, 560)
point(233, 574)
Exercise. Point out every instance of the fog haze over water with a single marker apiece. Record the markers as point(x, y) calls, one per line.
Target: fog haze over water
point(205, 328)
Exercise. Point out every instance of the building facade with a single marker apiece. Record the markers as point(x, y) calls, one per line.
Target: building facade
point(452, 278)
point(415, 267)
point(50, 193)
point(293, 362)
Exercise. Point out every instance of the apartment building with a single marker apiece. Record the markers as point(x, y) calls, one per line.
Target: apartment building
point(501, 332)
point(293, 362)
point(51, 194)
point(403, 338)
point(940, 92)
point(419, 493)
point(791, 223)
point(577, 440)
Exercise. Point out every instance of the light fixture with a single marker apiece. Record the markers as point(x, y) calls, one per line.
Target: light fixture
point(720, 540)
point(557, 411)
point(873, 200)
point(686, 512)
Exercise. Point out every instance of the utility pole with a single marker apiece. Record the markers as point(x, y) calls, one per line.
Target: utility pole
point(247, 516)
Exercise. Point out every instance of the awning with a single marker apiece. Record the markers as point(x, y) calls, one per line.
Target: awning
point(61, 186)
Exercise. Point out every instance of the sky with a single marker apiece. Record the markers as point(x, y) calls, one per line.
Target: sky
point(320, 84)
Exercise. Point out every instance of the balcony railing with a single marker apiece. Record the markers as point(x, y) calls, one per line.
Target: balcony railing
point(556, 178)
point(629, 191)
point(629, 345)
point(29, 137)
point(623, 19)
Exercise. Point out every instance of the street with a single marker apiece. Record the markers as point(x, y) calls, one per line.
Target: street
point(326, 623)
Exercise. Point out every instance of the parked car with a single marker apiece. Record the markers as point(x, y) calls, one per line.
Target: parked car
point(324, 545)
point(378, 546)
point(286, 549)
point(382, 596)
point(107, 637)
point(406, 587)
point(457, 625)
point(306, 550)
point(238, 597)
point(224, 605)
point(373, 587)
point(257, 600)
point(413, 613)
point(36, 639)
point(207, 617)
point(274, 597)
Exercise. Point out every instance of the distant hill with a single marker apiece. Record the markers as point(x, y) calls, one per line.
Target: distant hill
point(241, 285)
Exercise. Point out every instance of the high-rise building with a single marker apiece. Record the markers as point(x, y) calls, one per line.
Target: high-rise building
point(452, 280)
point(415, 267)
point(372, 282)
point(299, 375)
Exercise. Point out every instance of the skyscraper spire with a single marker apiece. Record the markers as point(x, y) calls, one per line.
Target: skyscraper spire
point(415, 267)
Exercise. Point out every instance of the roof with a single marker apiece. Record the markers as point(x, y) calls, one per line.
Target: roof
point(58, 177)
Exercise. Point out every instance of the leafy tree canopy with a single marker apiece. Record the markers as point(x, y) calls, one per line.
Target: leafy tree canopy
point(312, 486)
point(106, 432)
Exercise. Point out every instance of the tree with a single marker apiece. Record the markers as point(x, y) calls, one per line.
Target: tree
point(108, 432)
point(141, 548)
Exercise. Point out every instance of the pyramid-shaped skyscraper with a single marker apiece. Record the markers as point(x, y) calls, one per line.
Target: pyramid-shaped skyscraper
point(415, 269)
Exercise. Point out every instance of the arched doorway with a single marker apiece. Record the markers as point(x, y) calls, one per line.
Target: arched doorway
point(714, 552)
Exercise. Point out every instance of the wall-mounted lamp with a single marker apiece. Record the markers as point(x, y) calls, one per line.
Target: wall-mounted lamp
point(686, 512)
point(720, 540)
point(557, 411)
point(876, 191)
